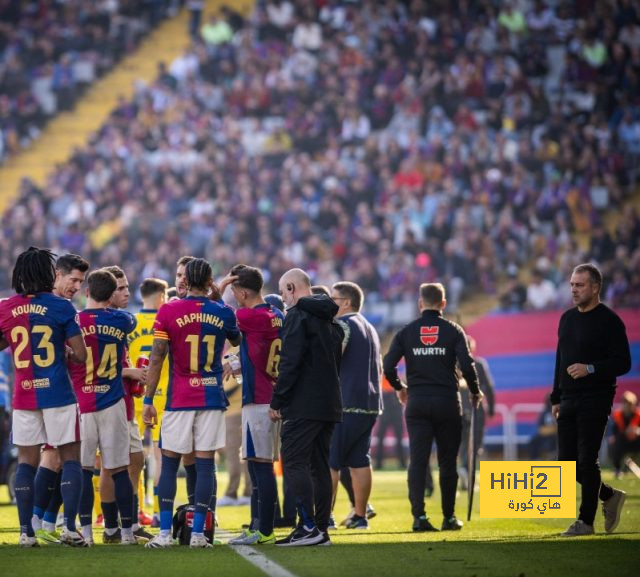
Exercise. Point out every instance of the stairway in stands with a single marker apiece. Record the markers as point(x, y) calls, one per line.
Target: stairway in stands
point(69, 130)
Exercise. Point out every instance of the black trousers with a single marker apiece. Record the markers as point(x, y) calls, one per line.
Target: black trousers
point(305, 463)
point(581, 425)
point(430, 418)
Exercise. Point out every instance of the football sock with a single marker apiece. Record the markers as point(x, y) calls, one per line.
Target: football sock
point(44, 485)
point(71, 488)
point(51, 513)
point(110, 512)
point(86, 500)
point(124, 497)
point(267, 495)
point(214, 494)
point(167, 490)
point(24, 481)
point(191, 473)
point(255, 500)
point(203, 492)
point(136, 505)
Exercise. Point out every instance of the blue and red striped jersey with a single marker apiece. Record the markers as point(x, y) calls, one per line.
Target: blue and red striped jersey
point(259, 351)
point(196, 329)
point(98, 382)
point(36, 328)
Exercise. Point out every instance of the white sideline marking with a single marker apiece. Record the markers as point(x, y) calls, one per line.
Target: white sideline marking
point(257, 559)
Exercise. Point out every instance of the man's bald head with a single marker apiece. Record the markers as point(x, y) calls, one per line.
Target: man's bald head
point(294, 284)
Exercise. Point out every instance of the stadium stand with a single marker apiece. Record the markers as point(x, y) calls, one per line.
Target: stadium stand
point(51, 51)
point(388, 143)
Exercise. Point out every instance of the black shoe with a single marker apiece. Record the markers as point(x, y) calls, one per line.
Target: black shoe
point(422, 524)
point(326, 540)
point(451, 524)
point(142, 535)
point(284, 523)
point(112, 539)
point(301, 536)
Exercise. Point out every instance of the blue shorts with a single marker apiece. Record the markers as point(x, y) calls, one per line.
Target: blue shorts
point(351, 441)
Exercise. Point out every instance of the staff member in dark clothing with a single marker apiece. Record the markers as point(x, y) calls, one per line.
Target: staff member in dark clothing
point(307, 397)
point(360, 374)
point(593, 350)
point(431, 345)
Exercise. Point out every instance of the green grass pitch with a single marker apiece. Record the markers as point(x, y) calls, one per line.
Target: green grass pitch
point(485, 547)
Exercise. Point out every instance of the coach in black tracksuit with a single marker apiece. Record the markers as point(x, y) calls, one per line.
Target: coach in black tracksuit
point(308, 399)
point(431, 345)
point(593, 350)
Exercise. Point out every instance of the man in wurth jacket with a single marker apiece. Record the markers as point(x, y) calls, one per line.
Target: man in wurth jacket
point(431, 346)
point(308, 399)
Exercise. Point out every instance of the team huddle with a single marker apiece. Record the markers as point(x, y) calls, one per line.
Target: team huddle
point(82, 393)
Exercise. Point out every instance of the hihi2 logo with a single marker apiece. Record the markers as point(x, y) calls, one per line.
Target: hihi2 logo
point(528, 489)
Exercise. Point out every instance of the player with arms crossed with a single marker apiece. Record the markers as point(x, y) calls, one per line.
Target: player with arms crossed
point(36, 325)
point(192, 331)
point(260, 324)
point(100, 392)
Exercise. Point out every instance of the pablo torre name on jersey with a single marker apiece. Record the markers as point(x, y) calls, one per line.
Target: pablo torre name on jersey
point(429, 351)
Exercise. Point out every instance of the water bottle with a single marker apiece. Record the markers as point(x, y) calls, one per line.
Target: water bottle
point(236, 370)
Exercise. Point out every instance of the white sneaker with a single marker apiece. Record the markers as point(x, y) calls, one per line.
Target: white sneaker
point(160, 542)
point(199, 541)
point(89, 541)
point(72, 538)
point(578, 529)
point(128, 539)
point(226, 501)
point(611, 509)
point(239, 540)
point(26, 541)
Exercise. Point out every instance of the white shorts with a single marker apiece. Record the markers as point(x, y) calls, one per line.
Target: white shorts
point(107, 430)
point(260, 435)
point(186, 431)
point(56, 426)
point(135, 440)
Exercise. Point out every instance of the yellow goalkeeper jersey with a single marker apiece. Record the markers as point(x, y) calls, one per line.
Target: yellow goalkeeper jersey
point(140, 343)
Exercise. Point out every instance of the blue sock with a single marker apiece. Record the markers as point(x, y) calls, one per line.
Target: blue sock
point(136, 504)
point(167, 490)
point(86, 499)
point(51, 514)
point(124, 497)
point(110, 514)
point(190, 470)
point(255, 503)
point(214, 495)
point(204, 490)
point(267, 495)
point(71, 488)
point(43, 487)
point(24, 481)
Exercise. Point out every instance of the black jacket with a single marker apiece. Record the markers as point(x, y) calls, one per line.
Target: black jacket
point(308, 385)
point(431, 345)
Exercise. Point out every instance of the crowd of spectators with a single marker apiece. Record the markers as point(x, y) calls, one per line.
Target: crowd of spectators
point(386, 142)
point(50, 50)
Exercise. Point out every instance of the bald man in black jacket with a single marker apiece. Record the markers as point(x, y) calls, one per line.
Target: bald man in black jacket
point(308, 399)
